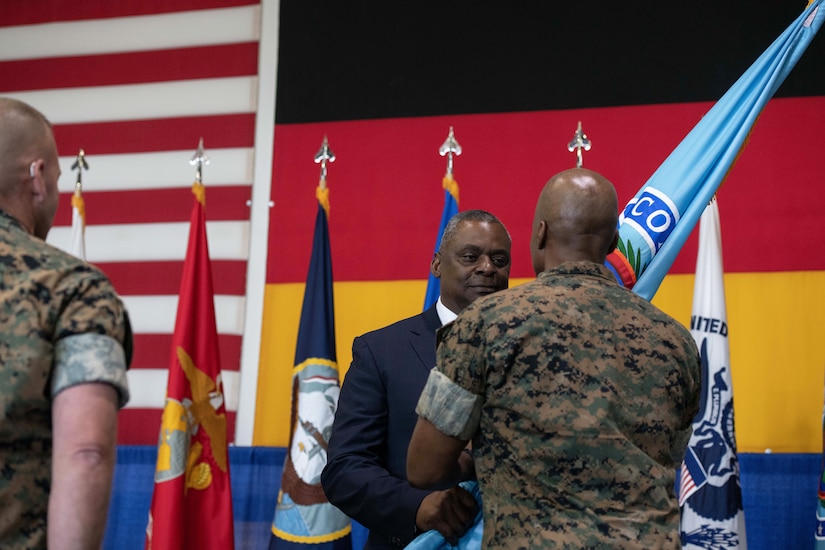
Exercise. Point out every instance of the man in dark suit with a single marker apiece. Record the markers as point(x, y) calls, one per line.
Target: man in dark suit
point(365, 475)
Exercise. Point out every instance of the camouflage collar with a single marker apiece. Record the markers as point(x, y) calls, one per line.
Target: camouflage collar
point(7, 221)
point(580, 268)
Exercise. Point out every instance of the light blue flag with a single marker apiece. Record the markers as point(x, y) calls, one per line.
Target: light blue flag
point(450, 210)
point(656, 223)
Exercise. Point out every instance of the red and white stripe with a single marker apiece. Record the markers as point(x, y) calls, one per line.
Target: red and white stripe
point(136, 84)
point(686, 485)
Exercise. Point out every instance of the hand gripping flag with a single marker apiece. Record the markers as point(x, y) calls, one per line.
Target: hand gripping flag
point(658, 220)
point(192, 502)
point(303, 516)
point(710, 496)
point(470, 540)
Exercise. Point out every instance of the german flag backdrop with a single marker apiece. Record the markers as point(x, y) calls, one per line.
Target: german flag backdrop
point(385, 81)
point(136, 83)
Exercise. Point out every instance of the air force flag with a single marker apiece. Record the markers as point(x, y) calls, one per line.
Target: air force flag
point(709, 492)
point(657, 221)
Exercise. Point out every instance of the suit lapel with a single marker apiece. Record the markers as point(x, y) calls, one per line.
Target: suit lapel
point(422, 337)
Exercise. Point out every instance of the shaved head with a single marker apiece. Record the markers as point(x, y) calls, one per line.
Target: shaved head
point(25, 135)
point(576, 219)
point(29, 167)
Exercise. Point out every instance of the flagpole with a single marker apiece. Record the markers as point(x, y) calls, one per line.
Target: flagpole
point(578, 143)
point(80, 164)
point(199, 160)
point(322, 157)
point(451, 149)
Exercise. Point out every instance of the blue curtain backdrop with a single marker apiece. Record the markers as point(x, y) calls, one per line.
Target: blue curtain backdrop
point(779, 493)
point(256, 476)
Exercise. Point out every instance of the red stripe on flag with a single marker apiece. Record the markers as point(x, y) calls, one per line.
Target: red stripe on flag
point(686, 485)
point(130, 68)
point(163, 277)
point(25, 12)
point(141, 426)
point(780, 222)
point(153, 351)
point(155, 205)
point(169, 134)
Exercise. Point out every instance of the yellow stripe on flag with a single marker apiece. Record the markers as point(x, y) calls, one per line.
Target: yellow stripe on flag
point(777, 354)
point(776, 345)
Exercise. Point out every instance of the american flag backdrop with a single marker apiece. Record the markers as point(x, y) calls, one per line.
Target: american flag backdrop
point(136, 84)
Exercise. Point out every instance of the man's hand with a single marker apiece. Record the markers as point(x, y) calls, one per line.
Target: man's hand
point(449, 512)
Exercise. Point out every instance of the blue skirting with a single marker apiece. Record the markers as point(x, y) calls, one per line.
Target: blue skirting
point(779, 493)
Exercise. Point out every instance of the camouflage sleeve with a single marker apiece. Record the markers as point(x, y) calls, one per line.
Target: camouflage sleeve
point(92, 334)
point(451, 408)
point(462, 348)
point(85, 358)
point(453, 396)
point(91, 305)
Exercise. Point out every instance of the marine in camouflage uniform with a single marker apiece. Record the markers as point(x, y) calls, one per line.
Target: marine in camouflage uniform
point(61, 325)
point(582, 416)
point(578, 396)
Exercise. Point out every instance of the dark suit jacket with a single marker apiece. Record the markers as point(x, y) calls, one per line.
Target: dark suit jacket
point(366, 471)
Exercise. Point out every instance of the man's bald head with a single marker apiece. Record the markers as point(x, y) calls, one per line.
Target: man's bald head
point(25, 135)
point(29, 167)
point(576, 219)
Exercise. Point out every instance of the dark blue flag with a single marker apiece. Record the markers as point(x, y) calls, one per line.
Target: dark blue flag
point(303, 516)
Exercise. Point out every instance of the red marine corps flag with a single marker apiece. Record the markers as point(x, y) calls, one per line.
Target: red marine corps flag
point(192, 502)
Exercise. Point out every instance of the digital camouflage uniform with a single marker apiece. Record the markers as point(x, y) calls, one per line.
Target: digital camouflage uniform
point(61, 324)
point(578, 396)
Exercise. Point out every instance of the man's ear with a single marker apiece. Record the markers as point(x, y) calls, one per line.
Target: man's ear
point(435, 265)
point(38, 184)
point(541, 235)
